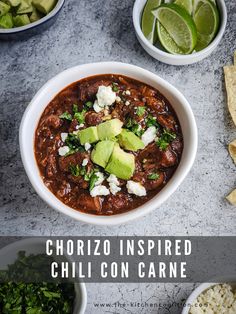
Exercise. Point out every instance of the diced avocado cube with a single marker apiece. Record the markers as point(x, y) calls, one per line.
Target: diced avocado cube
point(35, 15)
point(88, 135)
point(21, 20)
point(25, 7)
point(6, 21)
point(14, 3)
point(109, 129)
point(4, 8)
point(128, 140)
point(102, 153)
point(121, 164)
point(44, 6)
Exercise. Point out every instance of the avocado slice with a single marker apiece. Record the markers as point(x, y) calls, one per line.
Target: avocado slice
point(14, 3)
point(25, 7)
point(102, 153)
point(21, 20)
point(6, 21)
point(44, 6)
point(35, 15)
point(88, 135)
point(121, 164)
point(128, 140)
point(109, 129)
point(4, 8)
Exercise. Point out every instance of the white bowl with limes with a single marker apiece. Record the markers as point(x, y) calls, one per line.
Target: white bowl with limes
point(158, 52)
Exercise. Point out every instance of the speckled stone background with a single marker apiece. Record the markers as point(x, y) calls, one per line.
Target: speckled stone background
point(95, 30)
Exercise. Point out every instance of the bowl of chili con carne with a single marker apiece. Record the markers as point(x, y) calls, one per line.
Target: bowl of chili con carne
point(105, 143)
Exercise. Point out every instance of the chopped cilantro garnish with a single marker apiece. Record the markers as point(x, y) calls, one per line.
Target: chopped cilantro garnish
point(75, 108)
point(133, 126)
point(115, 87)
point(80, 116)
point(75, 170)
point(89, 104)
point(165, 139)
point(66, 115)
point(140, 111)
point(153, 176)
point(151, 121)
point(72, 141)
point(93, 180)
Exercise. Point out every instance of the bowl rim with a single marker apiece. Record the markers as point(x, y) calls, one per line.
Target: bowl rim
point(203, 287)
point(137, 10)
point(162, 196)
point(41, 21)
point(80, 286)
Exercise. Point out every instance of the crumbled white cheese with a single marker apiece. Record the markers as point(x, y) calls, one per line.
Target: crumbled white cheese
point(105, 96)
point(63, 150)
point(219, 299)
point(118, 99)
point(127, 103)
point(99, 190)
point(96, 106)
point(85, 162)
point(100, 176)
point(79, 126)
point(149, 135)
point(136, 188)
point(114, 188)
point(128, 92)
point(76, 132)
point(87, 146)
point(51, 137)
point(64, 136)
point(113, 179)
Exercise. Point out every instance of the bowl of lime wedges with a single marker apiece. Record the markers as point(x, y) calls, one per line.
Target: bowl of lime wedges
point(179, 32)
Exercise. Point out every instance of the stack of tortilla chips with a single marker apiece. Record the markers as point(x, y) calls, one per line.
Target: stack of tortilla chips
point(230, 83)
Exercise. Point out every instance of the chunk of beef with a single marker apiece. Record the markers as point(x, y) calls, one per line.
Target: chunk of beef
point(151, 153)
point(157, 105)
point(87, 202)
point(147, 91)
point(51, 166)
point(93, 118)
point(114, 203)
point(177, 146)
point(64, 189)
point(149, 184)
point(52, 121)
point(73, 126)
point(168, 158)
point(167, 121)
point(79, 180)
point(67, 161)
point(88, 90)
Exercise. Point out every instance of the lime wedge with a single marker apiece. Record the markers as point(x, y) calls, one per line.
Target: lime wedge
point(167, 42)
point(180, 26)
point(186, 4)
point(207, 22)
point(148, 24)
point(198, 3)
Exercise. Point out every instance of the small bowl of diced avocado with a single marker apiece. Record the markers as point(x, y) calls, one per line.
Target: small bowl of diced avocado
point(23, 18)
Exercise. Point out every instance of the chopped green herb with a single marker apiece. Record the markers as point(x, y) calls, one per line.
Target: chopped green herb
point(115, 87)
point(165, 139)
point(75, 170)
point(140, 111)
point(133, 126)
point(80, 116)
point(153, 176)
point(89, 104)
point(75, 108)
point(92, 181)
point(66, 115)
point(72, 141)
point(151, 121)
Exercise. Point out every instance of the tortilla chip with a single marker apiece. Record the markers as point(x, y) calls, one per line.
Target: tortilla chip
point(230, 83)
point(232, 197)
point(232, 150)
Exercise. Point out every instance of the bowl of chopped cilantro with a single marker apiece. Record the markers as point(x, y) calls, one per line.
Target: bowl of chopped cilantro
point(26, 286)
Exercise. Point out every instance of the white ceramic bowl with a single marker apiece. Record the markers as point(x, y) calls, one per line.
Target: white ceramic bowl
point(9, 254)
point(203, 287)
point(166, 57)
point(54, 86)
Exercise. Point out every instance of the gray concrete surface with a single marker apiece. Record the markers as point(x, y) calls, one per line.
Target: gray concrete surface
point(95, 30)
